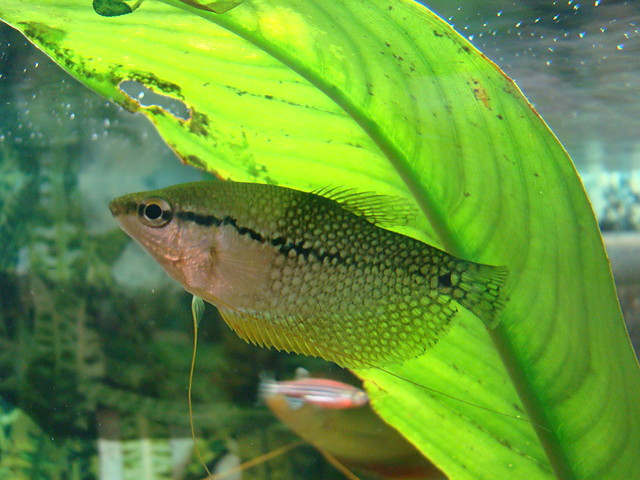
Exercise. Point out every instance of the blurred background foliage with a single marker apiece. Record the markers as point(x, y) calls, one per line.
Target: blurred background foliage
point(75, 366)
point(88, 384)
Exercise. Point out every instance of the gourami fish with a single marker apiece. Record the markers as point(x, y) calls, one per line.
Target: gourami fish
point(312, 273)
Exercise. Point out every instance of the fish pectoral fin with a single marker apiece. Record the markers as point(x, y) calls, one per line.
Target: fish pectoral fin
point(381, 210)
point(239, 263)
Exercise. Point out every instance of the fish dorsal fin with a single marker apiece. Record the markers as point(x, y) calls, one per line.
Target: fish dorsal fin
point(381, 210)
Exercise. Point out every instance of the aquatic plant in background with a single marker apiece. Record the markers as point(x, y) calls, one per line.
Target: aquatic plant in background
point(74, 368)
point(82, 356)
point(385, 97)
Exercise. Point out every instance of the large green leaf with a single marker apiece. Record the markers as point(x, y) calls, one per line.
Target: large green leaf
point(383, 96)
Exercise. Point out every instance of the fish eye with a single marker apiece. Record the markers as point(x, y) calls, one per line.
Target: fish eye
point(154, 212)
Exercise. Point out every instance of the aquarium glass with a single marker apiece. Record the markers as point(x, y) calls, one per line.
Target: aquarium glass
point(95, 339)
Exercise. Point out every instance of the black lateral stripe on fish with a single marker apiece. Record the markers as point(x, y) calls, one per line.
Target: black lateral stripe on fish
point(284, 245)
point(304, 273)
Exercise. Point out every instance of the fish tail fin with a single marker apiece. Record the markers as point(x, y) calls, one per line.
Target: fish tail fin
point(483, 292)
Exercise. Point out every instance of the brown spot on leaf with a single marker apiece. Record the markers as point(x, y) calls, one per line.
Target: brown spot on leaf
point(481, 95)
point(151, 81)
point(199, 123)
point(128, 103)
point(195, 161)
point(44, 34)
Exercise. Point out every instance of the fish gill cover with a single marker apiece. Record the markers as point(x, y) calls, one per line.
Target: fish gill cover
point(386, 97)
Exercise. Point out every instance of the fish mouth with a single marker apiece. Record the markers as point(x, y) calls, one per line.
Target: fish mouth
point(113, 207)
point(118, 207)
